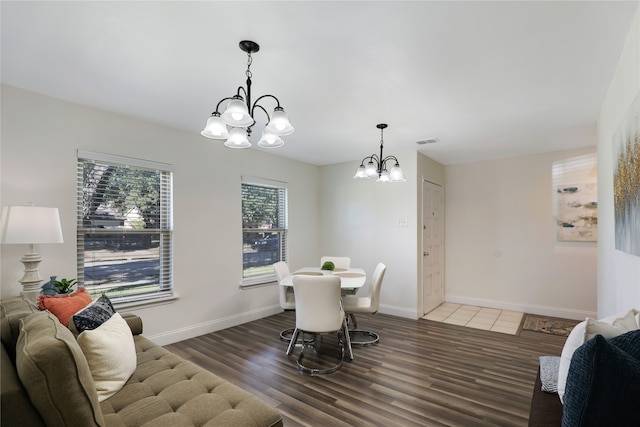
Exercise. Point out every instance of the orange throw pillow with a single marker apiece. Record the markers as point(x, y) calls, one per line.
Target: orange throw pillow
point(66, 305)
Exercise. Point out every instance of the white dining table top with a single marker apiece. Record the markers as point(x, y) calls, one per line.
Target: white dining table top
point(351, 278)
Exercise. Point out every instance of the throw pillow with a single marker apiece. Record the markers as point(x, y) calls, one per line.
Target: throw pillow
point(93, 315)
point(549, 373)
point(608, 327)
point(63, 306)
point(603, 386)
point(111, 354)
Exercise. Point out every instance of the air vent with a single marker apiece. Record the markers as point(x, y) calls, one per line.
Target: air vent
point(427, 141)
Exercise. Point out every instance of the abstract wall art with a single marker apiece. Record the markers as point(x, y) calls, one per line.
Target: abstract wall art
point(626, 181)
point(577, 212)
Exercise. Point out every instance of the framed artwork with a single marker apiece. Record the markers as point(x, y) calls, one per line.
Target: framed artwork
point(626, 181)
point(577, 212)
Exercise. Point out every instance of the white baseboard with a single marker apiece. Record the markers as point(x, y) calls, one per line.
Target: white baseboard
point(565, 313)
point(405, 312)
point(193, 331)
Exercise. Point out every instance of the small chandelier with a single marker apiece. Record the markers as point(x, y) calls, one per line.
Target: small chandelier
point(238, 115)
point(377, 165)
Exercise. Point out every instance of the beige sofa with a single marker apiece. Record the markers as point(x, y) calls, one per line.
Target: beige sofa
point(45, 380)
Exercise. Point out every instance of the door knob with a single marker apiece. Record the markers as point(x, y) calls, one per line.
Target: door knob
point(425, 253)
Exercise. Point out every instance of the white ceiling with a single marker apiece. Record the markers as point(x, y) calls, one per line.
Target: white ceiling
point(488, 79)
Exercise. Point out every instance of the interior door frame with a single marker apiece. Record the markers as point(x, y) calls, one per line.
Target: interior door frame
point(422, 242)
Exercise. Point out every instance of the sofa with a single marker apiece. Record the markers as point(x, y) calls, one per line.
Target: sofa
point(46, 380)
point(596, 380)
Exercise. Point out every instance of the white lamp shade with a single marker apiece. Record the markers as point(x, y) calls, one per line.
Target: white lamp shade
point(384, 176)
point(279, 123)
point(360, 173)
point(216, 128)
point(370, 169)
point(270, 140)
point(238, 139)
point(396, 174)
point(237, 113)
point(30, 225)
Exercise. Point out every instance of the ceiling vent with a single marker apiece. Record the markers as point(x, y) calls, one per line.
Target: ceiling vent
point(427, 141)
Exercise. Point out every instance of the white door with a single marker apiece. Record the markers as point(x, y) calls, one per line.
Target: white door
point(432, 246)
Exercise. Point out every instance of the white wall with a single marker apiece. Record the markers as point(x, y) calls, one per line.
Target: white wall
point(618, 272)
point(500, 245)
point(359, 218)
point(40, 136)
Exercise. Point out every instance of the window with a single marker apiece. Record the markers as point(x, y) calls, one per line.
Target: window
point(124, 227)
point(264, 229)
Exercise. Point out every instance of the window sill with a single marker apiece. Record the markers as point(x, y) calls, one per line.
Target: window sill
point(143, 303)
point(258, 283)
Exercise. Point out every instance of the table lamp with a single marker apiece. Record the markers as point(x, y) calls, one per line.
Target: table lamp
point(30, 225)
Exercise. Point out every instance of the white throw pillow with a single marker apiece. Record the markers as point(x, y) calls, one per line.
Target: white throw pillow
point(111, 354)
point(609, 327)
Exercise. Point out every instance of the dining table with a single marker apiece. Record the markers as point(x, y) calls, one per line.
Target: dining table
point(351, 279)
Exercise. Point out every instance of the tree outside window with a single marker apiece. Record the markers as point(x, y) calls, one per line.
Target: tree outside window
point(124, 228)
point(264, 229)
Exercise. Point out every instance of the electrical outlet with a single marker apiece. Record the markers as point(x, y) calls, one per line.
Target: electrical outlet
point(403, 222)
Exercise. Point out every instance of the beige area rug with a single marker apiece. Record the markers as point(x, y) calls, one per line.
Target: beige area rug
point(548, 325)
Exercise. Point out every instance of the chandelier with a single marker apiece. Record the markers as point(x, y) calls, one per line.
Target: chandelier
point(235, 123)
point(377, 165)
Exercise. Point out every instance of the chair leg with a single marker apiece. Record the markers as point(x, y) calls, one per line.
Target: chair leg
point(294, 339)
point(314, 371)
point(347, 339)
point(355, 340)
point(353, 321)
point(286, 334)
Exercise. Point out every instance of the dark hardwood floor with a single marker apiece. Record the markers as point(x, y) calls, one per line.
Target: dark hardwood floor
point(421, 373)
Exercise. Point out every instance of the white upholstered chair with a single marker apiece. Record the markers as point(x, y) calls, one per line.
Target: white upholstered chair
point(319, 311)
point(287, 298)
point(353, 304)
point(338, 261)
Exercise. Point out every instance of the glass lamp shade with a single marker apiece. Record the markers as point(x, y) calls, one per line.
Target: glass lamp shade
point(270, 140)
point(370, 170)
point(396, 174)
point(384, 176)
point(279, 123)
point(360, 173)
point(216, 128)
point(30, 225)
point(237, 113)
point(238, 139)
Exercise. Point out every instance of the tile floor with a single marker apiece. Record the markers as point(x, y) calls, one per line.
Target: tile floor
point(490, 319)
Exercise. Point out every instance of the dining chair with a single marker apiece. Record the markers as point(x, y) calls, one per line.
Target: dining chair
point(353, 304)
point(338, 261)
point(287, 297)
point(319, 312)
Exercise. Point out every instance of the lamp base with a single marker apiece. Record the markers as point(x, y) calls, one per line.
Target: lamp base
point(31, 280)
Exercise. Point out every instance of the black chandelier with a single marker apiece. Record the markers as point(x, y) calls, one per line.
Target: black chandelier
point(235, 123)
point(377, 165)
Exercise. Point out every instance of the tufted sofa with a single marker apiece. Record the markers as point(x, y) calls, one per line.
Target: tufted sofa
point(46, 380)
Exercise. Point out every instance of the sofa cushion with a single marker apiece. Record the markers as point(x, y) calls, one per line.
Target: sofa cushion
point(64, 306)
point(603, 385)
point(608, 327)
point(12, 311)
point(111, 355)
point(166, 390)
point(55, 373)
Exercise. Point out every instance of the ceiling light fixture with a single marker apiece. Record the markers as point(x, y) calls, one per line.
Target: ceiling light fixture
point(377, 165)
point(238, 115)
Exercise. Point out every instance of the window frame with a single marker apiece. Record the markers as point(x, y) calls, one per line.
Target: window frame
point(282, 230)
point(164, 230)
